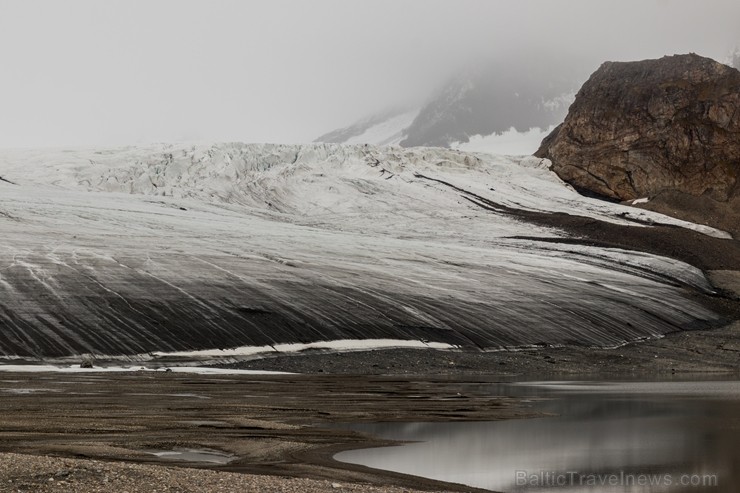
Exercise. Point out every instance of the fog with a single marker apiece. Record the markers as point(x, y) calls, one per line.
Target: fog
point(124, 72)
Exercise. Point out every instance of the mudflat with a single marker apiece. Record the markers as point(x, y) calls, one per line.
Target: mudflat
point(131, 431)
point(134, 424)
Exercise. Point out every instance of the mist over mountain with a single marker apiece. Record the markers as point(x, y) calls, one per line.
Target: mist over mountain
point(385, 128)
point(494, 99)
point(484, 108)
point(485, 100)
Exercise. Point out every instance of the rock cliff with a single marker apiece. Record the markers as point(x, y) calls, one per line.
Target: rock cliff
point(666, 129)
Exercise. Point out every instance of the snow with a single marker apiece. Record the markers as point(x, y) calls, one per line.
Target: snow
point(512, 142)
point(174, 249)
point(341, 345)
point(126, 369)
point(388, 132)
point(643, 200)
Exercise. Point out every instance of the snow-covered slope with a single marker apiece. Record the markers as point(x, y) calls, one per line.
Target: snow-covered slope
point(387, 128)
point(176, 248)
point(511, 142)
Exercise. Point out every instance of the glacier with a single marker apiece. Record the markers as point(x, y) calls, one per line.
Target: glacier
point(176, 248)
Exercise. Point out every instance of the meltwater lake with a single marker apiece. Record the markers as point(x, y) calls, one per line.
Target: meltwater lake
point(675, 436)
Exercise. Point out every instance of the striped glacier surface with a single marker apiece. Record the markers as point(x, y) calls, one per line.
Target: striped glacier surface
point(170, 248)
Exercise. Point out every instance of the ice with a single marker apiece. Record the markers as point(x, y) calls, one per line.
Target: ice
point(343, 345)
point(180, 249)
point(30, 368)
point(511, 142)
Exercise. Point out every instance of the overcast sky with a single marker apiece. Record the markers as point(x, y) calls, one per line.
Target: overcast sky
point(103, 72)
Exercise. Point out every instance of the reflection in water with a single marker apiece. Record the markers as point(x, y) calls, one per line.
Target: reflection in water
point(639, 442)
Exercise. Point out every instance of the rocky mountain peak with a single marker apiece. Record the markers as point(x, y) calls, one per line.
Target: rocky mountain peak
point(653, 128)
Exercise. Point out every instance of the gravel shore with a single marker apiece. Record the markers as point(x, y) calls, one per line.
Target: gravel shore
point(123, 432)
point(41, 474)
point(277, 427)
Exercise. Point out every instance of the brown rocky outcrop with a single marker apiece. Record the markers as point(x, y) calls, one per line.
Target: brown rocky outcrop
point(667, 129)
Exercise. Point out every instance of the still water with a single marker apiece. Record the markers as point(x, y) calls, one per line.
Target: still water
point(605, 437)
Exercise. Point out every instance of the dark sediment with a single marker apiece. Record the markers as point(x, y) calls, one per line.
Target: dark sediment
point(276, 425)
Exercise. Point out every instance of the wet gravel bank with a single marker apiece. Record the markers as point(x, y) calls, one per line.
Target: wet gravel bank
point(42, 474)
point(273, 425)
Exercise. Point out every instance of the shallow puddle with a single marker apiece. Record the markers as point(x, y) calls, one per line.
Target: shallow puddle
point(28, 391)
point(205, 422)
point(193, 455)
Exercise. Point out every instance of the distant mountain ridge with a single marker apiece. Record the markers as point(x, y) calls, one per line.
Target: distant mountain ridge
point(491, 101)
point(386, 128)
point(482, 102)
